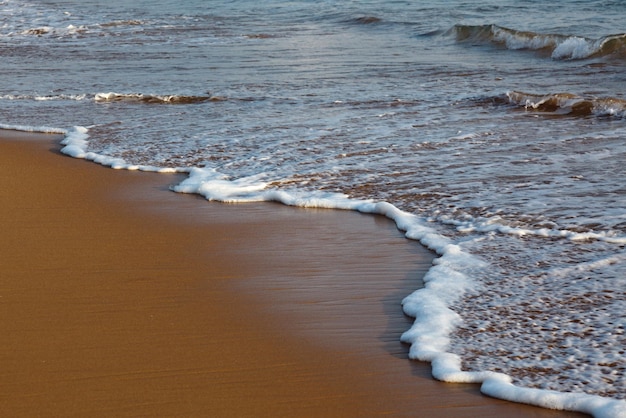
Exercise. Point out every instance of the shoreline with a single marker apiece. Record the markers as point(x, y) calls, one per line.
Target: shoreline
point(122, 298)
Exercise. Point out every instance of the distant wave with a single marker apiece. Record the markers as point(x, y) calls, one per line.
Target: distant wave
point(77, 97)
point(69, 30)
point(121, 97)
point(153, 99)
point(114, 23)
point(365, 20)
point(558, 46)
point(569, 104)
point(62, 31)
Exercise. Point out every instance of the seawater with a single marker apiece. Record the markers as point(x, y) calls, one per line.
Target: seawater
point(492, 132)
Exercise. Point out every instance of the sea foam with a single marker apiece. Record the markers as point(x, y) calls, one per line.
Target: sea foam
point(75, 145)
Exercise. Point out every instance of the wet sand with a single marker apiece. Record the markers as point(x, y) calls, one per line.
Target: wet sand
point(121, 298)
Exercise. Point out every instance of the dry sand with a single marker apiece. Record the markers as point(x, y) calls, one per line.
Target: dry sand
point(121, 298)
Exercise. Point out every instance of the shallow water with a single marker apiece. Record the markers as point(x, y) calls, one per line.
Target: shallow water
point(498, 125)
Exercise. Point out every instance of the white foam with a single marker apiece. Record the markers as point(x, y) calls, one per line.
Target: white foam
point(492, 225)
point(105, 97)
point(582, 267)
point(574, 47)
point(38, 129)
point(599, 407)
point(75, 145)
point(215, 186)
point(76, 97)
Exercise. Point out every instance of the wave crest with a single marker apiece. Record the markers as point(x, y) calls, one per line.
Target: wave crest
point(558, 46)
point(569, 104)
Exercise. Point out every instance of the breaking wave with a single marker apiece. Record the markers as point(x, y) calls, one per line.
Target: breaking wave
point(556, 45)
point(569, 104)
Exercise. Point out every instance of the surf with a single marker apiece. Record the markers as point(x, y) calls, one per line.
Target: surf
point(557, 46)
point(569, 104)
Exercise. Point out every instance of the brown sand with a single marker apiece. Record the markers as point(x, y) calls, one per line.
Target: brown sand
point(120, 298)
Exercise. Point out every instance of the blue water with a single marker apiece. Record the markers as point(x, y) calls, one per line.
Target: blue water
point(498, 124)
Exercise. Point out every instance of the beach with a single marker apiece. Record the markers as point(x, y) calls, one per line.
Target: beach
point(122, 298)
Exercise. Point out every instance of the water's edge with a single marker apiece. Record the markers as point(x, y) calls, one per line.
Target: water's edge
point(444, 283)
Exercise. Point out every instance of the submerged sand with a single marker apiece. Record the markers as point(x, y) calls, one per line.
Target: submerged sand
point(121, 298)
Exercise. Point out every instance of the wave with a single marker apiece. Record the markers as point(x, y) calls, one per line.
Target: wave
point(365, 20)
point(569, 104)
point(60, 32)
point(154, 99)
point(120, 97)
point(557, 46)
point(39, 98)
point(115, 23)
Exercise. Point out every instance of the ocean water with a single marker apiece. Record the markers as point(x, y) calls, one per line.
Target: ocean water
point(493, 132)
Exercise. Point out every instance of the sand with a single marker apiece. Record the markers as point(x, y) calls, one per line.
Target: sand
point(119, 297)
